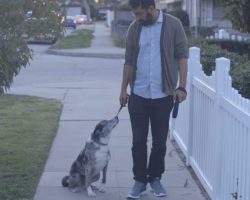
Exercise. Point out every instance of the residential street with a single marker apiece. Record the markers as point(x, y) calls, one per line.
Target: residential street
point(89, 90)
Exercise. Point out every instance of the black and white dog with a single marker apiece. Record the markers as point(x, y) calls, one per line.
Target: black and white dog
point(93, 159)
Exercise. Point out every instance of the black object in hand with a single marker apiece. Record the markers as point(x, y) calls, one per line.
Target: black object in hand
point(176, 107)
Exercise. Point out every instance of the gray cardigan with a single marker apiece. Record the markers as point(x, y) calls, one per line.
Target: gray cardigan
point(173, 43)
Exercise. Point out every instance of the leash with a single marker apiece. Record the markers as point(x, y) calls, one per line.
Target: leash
point(176, 107)
point(119, 110)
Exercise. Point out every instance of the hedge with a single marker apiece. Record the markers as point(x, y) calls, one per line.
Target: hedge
point(240, 65)
point(240, 47)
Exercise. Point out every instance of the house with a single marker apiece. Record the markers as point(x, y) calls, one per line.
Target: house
point(202, 13)
point(72, 8)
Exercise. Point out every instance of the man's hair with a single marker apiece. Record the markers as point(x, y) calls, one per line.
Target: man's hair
point(143, 3)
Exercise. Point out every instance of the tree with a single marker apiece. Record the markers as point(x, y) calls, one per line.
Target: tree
point(85, 4)
point(14, 52)
point(87, 8)
point(238, 13)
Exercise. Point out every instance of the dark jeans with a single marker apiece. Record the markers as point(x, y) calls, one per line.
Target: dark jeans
point(157, 112)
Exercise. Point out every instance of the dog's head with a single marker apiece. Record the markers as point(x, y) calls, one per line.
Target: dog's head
point(103, 129)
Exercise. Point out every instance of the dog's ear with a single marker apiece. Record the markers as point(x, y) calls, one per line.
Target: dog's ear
point(98, 128)
point(96, 134)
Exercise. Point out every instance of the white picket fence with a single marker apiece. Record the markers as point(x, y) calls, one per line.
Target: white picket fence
point(213, 131)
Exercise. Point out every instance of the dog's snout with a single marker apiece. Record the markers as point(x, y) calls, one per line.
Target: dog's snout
point(115, 120)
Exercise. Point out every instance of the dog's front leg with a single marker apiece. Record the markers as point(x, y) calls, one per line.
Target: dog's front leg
point(104, 175)
point(88, 182)
point(90, 192)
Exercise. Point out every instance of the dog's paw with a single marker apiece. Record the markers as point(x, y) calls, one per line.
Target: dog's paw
point(75, 190)
point(90, 192)
point(102, 188)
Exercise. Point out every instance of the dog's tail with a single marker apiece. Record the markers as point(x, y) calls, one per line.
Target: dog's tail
point(65, 181)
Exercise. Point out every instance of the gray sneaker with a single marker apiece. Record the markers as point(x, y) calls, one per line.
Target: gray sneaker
point(137, 189)
point(157, 188)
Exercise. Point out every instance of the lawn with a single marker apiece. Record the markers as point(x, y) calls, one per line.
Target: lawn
point(27, 128)
point(118, 42)
point(77, 39)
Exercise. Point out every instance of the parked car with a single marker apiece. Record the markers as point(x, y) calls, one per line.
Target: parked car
point(47, 38)
point(43, 38)
point(102, 13)
point(81, 19)
point(70, 22)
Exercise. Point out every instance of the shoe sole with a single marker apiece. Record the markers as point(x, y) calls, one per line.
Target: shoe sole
point(135, 197)
point(160, 195)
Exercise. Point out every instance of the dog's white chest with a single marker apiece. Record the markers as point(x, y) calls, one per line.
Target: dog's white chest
point(102, 157)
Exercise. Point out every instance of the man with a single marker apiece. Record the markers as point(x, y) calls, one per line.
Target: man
point(156, 52)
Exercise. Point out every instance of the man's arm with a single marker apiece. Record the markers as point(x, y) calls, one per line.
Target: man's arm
point(182, 79)
point(125, 82)
point(183, 72)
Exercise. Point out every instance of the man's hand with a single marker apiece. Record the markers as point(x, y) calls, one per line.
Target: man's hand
point(181, 95)
point(123, 98)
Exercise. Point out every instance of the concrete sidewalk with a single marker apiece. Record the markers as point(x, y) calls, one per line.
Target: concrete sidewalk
point(80, 114)
point(102, 46)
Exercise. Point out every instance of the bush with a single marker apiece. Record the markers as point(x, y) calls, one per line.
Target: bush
point(240, 65)
point(183, 17)
point(240, 47)
point(241, 78)
point(206, 31)
point(208, 54)
point(245, 89)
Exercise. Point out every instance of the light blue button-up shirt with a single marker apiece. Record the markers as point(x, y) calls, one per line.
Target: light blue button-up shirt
point(148, 83)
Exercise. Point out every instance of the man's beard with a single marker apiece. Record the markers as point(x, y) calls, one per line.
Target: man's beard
point(149, 20)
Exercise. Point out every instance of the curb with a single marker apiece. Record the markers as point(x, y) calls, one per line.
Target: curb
point(83, 54)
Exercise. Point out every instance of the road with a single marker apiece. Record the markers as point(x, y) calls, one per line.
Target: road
point(59, 72)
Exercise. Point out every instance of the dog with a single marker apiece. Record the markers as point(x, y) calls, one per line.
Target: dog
point(93, 159)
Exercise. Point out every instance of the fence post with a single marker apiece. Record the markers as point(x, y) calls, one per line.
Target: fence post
point(193, 65)
point(220, 78)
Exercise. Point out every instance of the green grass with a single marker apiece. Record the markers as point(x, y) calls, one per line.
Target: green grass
point(78, 39)
point(27, 128)
point(118, 42)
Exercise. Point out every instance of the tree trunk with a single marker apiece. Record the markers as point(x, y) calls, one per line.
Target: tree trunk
point(87, 9)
